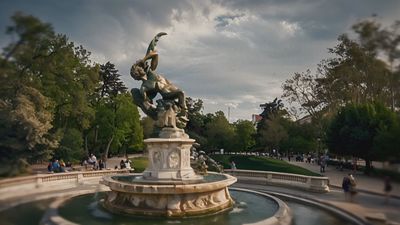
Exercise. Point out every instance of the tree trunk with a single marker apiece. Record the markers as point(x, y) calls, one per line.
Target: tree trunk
point(108, 147)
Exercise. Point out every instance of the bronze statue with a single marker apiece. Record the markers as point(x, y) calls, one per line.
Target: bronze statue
point(169, 111)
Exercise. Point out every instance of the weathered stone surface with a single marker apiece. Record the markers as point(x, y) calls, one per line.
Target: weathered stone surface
point(172, 200)
point(169, 159)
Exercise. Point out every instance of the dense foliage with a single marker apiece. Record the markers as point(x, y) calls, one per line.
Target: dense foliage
point(52, 95)
point(358, 129)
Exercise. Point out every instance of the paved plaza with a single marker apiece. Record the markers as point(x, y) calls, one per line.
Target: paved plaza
point(364, 183)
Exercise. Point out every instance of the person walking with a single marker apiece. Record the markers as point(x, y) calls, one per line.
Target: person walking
point(346, 187)
point(233, 165)
point(322, 164)
point(387, 189)
point(353, 185)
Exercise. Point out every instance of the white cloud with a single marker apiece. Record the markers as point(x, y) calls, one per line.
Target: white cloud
point(289, 28)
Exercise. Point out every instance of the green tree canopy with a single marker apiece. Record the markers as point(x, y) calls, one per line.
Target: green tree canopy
point(353, 131)
point(219, 132)
point(52, 99)
point(361, 70)
point(273, 133)
point(244, 135)
point(118, 127)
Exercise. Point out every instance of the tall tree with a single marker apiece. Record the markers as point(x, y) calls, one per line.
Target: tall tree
point(56, 72)
point(304, 90)
point(111, 84)
point(302, 137)
point(361, 70)
point(273, 133)
point(117, 127)
point(383, 42)
point(219, 132)
point(25, 113)
point(354, 128)
point(244, 135)
point(271, 114)
point(355, 76)
point(25, 121)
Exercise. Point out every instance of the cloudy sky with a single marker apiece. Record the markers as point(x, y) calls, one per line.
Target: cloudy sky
point(231, 54)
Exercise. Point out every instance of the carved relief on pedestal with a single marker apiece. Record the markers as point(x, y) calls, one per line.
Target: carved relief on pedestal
point(185, 158)
point(157, 159)
point(203, 201)
point(111, 196)
point(156, 202)
point(173, 160)
point(171, 203)
point(135, 200)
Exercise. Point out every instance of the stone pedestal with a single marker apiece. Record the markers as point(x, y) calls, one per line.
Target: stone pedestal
point(169, 157)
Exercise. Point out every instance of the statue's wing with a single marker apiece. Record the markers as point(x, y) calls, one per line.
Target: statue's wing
point(153, 42)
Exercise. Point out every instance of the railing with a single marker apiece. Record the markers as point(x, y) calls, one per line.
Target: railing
point(311, 183)
point(12, 187)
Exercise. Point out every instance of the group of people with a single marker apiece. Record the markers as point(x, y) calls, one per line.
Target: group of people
point(92, 162)
point(125, 164)
point(58, 166)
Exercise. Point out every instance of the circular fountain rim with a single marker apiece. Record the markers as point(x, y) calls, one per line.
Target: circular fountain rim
point(169, 140)
point(166, 187)
point(326, 206)
point(224, 177)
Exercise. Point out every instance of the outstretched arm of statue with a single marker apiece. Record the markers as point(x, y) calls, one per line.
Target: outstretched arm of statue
point(153, 42)
point(153, 56)
point(151, 52)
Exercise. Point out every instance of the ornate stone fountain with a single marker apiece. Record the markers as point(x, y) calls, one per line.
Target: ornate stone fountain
point(169, 186)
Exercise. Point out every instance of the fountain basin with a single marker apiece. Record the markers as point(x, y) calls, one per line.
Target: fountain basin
point(249, 208)
point(139, 196)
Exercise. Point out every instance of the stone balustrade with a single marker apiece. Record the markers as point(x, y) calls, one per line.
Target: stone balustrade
point(311, 183)
point(14, 187)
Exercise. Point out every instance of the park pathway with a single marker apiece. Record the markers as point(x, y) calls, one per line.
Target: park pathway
point(370, 207)
point(364, 183)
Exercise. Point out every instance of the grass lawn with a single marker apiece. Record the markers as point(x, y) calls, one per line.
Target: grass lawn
point(242, 162)
point(140, 164)
point(260, 163)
